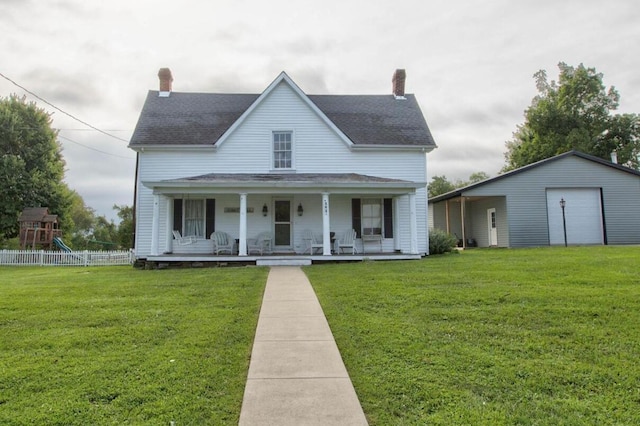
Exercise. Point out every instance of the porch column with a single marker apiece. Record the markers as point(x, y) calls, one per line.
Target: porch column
point(155, 225)
point(326, 235)
point(168, 247)
point(242, 249)
point(413, 223)
point(446, 215)
point(397, 239)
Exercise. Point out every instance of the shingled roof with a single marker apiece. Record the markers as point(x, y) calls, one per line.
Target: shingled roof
point(284, 180)
point(202, 118)
point(377, 119)
point(37, 214)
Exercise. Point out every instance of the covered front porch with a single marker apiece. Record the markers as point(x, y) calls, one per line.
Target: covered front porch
point(303, 217)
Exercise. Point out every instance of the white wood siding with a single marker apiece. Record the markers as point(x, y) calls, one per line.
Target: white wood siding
point(317, 149)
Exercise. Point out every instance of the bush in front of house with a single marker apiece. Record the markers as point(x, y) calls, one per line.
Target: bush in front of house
point(441, 242)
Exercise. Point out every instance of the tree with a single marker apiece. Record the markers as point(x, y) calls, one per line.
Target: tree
point(573, 113)
point(31, 164)
point(477, 177)
point(105, 234)
point(125, 228)
point(439, 185)
point(83, 220)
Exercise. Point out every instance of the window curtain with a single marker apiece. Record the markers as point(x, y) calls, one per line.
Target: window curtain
point(371, 216)
point(194, 218)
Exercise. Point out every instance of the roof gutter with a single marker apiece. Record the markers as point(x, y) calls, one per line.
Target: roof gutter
point(395, 148)
point(183, 148)
point(256, 184)
point(203, 187)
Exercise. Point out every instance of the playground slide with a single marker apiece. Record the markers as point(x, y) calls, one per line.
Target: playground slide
point(61, 245)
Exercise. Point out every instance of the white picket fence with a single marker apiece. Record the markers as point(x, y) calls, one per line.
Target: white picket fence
point(60, 258)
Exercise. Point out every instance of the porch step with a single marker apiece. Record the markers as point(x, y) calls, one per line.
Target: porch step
point(283, 262)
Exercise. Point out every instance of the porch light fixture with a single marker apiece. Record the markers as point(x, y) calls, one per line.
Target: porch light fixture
point(265, 210)
point(300, 209)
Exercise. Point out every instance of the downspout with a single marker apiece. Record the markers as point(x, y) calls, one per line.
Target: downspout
point(135, 198)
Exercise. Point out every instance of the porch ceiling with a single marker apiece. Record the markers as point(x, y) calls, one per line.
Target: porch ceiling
point(284, 182)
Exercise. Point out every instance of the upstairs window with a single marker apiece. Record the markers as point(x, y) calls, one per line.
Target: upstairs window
point(282, 150)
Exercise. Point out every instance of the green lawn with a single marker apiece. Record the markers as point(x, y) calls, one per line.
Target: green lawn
point(114, 345)
point(546, 336)
point(533, 336)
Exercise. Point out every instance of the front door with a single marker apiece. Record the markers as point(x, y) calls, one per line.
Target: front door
point(493, 228)
point(282, 224)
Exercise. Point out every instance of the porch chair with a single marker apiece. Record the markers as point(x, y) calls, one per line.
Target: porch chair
point(348, 242)
point(222, 243)
point(312, 243)
point(183, 241)
point(261, 244)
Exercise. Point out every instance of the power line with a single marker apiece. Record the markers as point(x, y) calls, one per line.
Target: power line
point(95, 149)
point(63, 129)
point(91, 130)
point(61, 110)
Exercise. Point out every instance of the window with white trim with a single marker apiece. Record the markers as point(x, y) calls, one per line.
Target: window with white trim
point(194, 218)
point(372, 216)
point(282, 150)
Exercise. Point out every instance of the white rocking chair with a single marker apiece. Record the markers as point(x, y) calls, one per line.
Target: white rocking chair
point(183, 241)
point(222, 243)
point(310, 239)
point(261, 244)
point(348, 242)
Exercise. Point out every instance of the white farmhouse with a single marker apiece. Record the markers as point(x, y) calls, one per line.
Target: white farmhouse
point(280, 175)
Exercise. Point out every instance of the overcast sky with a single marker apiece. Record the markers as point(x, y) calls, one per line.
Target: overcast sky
point(469, 63)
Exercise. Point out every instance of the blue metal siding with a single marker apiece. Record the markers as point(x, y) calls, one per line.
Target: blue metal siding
point(526, 199)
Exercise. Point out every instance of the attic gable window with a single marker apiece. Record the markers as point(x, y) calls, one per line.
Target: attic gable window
point(282, 150)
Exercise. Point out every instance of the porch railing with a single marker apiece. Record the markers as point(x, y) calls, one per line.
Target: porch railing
point(58, 258)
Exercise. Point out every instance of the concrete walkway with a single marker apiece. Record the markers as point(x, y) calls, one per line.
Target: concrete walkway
point(296, 376)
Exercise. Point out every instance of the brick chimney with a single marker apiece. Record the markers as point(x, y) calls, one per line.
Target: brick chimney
point(398, 80)
point(165, 82)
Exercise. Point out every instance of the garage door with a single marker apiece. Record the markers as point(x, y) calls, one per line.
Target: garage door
point(583, 214)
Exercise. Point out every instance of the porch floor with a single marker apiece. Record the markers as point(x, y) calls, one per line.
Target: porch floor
point(281, 259)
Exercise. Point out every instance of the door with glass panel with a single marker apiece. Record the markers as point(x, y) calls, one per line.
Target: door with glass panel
point(282, 224)
point(493, 227)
